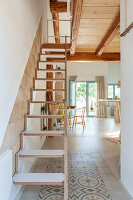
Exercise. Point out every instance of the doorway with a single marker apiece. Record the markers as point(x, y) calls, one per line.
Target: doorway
point(83, 94)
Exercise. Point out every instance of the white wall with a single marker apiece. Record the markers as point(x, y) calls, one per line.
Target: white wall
point(45, 7)
point(19, 21)
point(127, 97)
point(5, 174)
point(18, 25)
point(86, 71)
point(113, 72)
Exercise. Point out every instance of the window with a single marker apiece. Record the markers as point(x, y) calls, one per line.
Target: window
point(110, 91)
point(113, 91)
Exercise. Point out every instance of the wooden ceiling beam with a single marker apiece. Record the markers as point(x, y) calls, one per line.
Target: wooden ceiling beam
point(109, 36)
point(57, 6)
point(85, 56)
point(77, 9)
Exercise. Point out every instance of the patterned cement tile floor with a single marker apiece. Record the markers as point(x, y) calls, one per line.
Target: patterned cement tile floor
point(85, 181)
point(97, 155)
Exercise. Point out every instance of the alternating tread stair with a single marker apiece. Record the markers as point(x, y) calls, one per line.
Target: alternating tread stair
point(52, 52)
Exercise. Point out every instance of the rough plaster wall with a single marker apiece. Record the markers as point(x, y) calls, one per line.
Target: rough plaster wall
point(16, 122)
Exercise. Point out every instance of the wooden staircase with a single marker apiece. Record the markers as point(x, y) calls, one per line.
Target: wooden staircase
point(48, 51)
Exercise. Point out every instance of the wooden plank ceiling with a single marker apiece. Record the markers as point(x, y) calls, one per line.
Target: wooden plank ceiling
point(95, 28)
point(97, 18)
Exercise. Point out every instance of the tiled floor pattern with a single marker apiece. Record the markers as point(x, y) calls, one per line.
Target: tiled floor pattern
point(85, 181)
point(92, 149)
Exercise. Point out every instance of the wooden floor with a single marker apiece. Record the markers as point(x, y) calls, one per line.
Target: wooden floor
point(105, 154)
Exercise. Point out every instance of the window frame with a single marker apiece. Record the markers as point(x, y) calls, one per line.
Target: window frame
point(114, 84)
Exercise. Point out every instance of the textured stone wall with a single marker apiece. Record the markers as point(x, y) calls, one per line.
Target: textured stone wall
point(16, 122)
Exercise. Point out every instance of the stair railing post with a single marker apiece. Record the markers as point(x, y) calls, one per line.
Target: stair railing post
point(47, 29)
point(65, 136)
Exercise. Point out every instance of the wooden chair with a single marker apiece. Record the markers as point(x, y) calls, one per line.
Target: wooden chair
point(100, 110)
point(70, 120)
point(82, 117)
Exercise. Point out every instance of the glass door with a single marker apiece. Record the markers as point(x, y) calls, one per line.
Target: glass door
point(91, 93)
point(72, 93)
point(80, 96)
point(83, 94)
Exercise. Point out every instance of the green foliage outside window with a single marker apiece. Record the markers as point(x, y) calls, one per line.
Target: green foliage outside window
point(81, 90)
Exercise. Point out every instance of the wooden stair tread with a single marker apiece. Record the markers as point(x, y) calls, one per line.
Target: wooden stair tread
point(52, 59)
point(52, 62)
point(48, 90)
point(45, 116)
point(48, 50)
point(50, 79)
point(38, 178)
point(41, 153)
point(51, 70)
point(43, 133)
point(48, 102)
point(53, 55)
point(55, 46)
point(38, 131)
